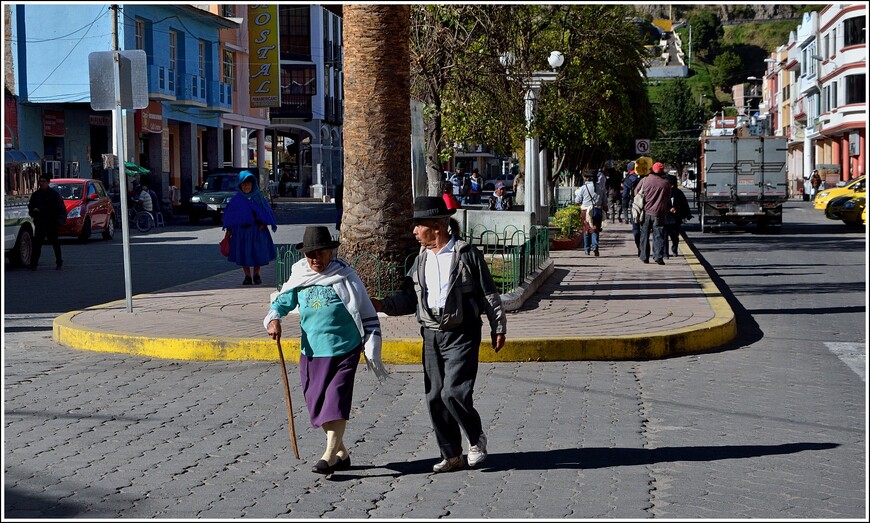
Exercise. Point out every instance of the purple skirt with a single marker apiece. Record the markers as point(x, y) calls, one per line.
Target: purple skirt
point(327, 384)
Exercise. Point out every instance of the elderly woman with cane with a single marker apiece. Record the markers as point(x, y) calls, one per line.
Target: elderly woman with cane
point(338, 322)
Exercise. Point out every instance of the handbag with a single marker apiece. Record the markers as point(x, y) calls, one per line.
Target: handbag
point(225, 245)
point(638, 204)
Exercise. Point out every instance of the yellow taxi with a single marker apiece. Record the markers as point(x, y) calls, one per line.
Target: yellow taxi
point(826, 195)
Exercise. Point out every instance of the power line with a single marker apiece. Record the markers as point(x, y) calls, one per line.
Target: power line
point(100, 15)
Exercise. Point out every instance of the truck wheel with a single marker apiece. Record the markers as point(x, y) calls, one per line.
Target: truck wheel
point(704, 227)
point(23, 251)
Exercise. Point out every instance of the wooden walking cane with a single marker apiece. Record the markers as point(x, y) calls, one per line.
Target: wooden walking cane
point(290, 425)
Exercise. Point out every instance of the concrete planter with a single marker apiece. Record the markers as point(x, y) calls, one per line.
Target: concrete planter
point(565, 244)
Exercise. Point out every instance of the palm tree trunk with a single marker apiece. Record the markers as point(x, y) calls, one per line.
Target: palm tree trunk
point(376, 230)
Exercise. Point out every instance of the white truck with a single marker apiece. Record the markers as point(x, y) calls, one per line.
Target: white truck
point(17, 230)
point(742, 181)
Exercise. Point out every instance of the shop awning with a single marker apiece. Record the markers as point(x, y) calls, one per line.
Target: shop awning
point(14, 155)
point(132, 169)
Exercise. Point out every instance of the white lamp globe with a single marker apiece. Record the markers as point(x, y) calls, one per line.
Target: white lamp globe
point(556, 59)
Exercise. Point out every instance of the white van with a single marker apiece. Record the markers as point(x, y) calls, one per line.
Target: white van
point(17, 230)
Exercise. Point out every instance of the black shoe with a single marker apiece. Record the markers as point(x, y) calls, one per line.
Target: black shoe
point(59, 265)
point(343, 464)
point(33, 267)
point(246, 281)
point(596, 252)
point(660, 261)
point(645, 261)
point(257, 279)
point(322, 467)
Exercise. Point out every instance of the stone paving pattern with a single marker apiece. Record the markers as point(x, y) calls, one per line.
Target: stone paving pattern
point(613, 294)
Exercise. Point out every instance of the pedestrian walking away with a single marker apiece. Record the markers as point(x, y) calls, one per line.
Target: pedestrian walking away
point(246, 219)
point(678, 212)
point(657, 195)
point(628, 186)
point(338, 322)
point(590, 200)
point(614, 195)
point(48, 211)
point(449, 286)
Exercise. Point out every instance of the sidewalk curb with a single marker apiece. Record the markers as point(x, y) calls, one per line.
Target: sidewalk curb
point(400, 351)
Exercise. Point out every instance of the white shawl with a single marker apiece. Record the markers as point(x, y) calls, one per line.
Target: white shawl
point(352, 293)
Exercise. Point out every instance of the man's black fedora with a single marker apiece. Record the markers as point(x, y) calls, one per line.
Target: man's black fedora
point(426, 207)
point(316, 238)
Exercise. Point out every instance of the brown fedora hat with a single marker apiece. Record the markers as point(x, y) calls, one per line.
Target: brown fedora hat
point(315, 238)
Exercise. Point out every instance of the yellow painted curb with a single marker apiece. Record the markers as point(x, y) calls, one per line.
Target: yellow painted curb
point(699, 338)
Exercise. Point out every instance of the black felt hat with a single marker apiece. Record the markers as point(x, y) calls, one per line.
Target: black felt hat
point(427, 207)
point(315, 238)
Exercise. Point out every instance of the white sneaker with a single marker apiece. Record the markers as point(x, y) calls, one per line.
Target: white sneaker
point(446, 465)
point(477, 453)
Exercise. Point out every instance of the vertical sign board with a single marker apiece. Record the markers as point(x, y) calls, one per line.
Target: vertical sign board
point(264, 71)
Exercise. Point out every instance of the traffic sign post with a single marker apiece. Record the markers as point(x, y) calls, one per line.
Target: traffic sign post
point(641, 146)
point(118, 80)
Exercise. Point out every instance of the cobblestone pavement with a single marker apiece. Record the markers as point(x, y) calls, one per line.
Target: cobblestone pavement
point(750, 432)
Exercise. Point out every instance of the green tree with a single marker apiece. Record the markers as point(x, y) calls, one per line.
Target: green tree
point(727, 69)
point(456, 74)
point(592, 110)
point(680, 119)
point(707, 31)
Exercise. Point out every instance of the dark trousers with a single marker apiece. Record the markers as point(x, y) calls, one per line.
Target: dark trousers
point(450, 361)
point(656, 226)
point(43, 235)
point(672, 237)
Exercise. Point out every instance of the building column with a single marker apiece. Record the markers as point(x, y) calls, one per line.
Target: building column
point(240, 159)
point(159, 179)
point(188, 152)
point(261, 149)
point(214, 147)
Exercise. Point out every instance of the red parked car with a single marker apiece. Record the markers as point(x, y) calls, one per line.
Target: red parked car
point(89, 208)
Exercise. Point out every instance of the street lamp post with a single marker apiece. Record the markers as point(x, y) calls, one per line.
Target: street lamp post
point(535, 198)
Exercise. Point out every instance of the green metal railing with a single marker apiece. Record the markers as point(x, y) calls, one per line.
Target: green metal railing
point(511, 255)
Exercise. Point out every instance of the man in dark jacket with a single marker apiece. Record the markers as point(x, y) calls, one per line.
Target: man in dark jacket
point(449, 286)
point(678, 212)
point(48, 212)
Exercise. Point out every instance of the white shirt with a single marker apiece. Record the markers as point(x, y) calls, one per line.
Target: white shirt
point(145, 198)
point(437, 273)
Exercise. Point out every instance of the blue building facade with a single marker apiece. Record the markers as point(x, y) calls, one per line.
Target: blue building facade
point(177, 137)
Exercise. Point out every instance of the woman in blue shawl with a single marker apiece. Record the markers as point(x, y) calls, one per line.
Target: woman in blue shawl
point(246, 219)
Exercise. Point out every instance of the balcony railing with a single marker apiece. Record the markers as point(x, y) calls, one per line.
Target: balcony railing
point(799, 109)
point(193, 89)
point(220, 96)
point(293, 106)
point(162, 81)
